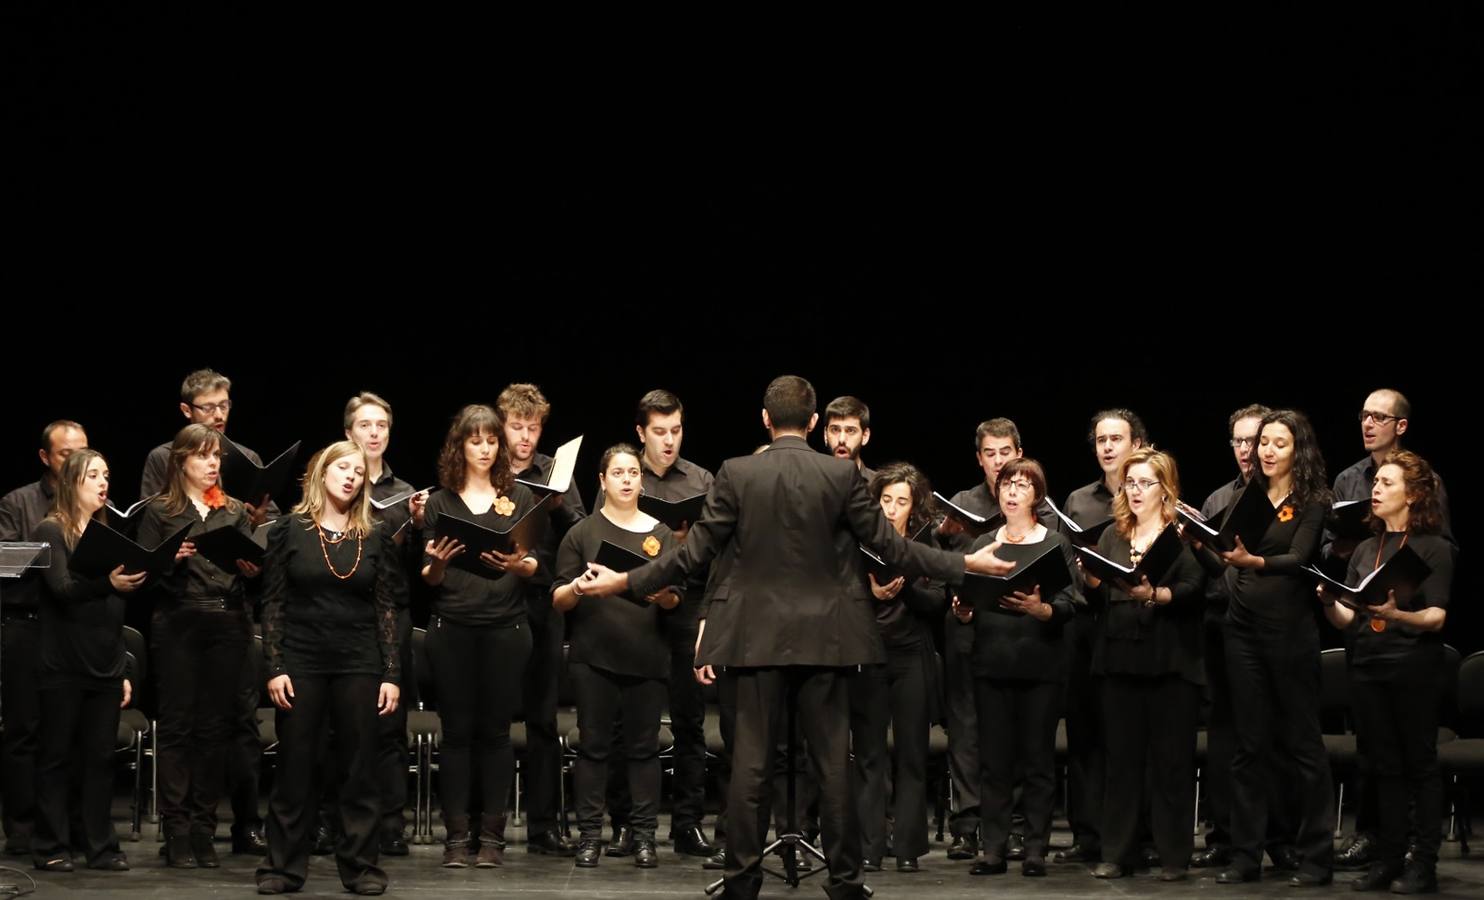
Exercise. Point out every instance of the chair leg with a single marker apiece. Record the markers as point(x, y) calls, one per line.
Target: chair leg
point(137, 815)
point(1196, 827)
point(154, 780)
point(516, 819)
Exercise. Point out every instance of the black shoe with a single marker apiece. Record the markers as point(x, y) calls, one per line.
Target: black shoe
point(272, 886)
point(908, 864)
point(965, 846)
point(1416, 880)
point(1075, 854)
point(1173, 873)
point(203, 846)
point(645, 854)
point(324, 841)
point(116, 863)
point(870, 865)
point(989, 865)
point(1359, 855)
point(804, 861)
point(1377, 878)
point(1285, 858)
point(622, 843)
point(1033, 868)
point(589, 851)
point(716, 861)
point(1238, 875)
point(179, 854)
point(394, 845)
point(1216, 857)
point(368, 887)
point(551, 842)
point(59, 863)
point(1149, 858)
point(1306, 878)
point(1110, 870)
point(1015, 846)
point(249, 840)
point(692, 842)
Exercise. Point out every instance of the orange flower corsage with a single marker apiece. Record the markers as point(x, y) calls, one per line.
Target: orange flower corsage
point(504, 506)
point(652, 545)
point(1285, 514)
point(215, 497)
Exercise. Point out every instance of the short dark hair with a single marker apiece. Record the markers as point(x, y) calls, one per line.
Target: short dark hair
point(1000, 428)
point(203, 381)
point(1250, 411)
point(1136, 430)
point(1033, 472)
point(658, 402)
point(53, 428)
point(790, 402)
point(848, 407)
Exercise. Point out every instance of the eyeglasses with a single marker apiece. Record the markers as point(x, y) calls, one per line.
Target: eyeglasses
point(1378, 417)
point(1021, 485)
point(1243, 442)
point(210, 409)
point(1139, 484)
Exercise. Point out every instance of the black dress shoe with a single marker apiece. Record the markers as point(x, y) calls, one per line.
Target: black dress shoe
point(716, 861)
point(272, 886)
point(368, 887)
point(907, 864)
point(1377, 878)
point(1416, 880)
point(1149, 858)
point(645, 854)
point(1285, 858)
point(324, 841)
point(1211, 858)
point(116, 863)
point(178, 852)
point(1033, 868)
point(989, 865)
point(1075, 854)
point(964, 846)
point(1109, 870)
point(1015, 846)
point(589, 851)
point(204, 848)
point(870, 865)
point(1238, 875)
point(1359, 855)
point(551, 842)
point(1173, 873)
point(59, 863)
point(249, 840)
point(692, 842)
point(622, 843)
point(1306, 878)
point(394, 845)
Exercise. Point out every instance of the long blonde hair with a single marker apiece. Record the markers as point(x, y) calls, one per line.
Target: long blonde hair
point(314, 504)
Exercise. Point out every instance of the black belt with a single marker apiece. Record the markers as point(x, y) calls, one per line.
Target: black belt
point(217, 603)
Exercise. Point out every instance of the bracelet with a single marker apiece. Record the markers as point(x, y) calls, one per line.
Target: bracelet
point(575, 589)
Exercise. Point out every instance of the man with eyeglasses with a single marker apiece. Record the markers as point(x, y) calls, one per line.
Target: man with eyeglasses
point(1384, 418)
point(205, 399)
point(1242, 430)
point(1115, 433)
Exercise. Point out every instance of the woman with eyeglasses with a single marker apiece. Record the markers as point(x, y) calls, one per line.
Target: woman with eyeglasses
point(1148, 653)
point(1272, 655)
point(1394, 664)
point(1020, 670)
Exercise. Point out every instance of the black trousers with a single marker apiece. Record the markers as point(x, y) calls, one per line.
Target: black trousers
point(478, 671)
point(20, 698)
point(688, 724)
point(1017, 735)
point(347, 705)
point(78, 730)
point(1085, 739)
point(1150, 724)
point(392, 751)
point(198, 657)
point(962, 724)
point(1398, 719)
point(1275, 708)
point(543, 758)
point(892, 694)
point(602, 698)
point(823, 702)
point(1221, 740)
point(245, 750)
